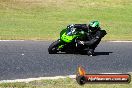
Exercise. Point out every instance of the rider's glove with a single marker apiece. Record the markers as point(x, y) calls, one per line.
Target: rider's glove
point(80, 42)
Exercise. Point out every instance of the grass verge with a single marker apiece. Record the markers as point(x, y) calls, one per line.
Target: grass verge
point(61, 83)
point(44, 19)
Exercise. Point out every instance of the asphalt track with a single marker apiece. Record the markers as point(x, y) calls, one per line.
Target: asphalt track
point(30, 59)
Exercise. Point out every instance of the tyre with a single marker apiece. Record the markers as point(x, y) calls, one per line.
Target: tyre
point(81, 80)
point(53, 48)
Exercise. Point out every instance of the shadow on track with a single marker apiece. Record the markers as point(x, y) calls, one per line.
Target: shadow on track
point(102, 53)
point(96, 53)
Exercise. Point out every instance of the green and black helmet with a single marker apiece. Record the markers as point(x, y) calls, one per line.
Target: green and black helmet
point(93, 26)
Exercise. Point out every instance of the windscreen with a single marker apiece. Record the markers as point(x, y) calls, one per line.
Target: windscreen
point(71, 31)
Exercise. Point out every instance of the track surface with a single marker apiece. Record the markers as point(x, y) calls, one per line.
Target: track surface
point(25, 59)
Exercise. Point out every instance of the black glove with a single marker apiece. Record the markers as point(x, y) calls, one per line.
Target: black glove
point(80, 42)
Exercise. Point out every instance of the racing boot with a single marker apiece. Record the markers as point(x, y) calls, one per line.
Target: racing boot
point(90, 52)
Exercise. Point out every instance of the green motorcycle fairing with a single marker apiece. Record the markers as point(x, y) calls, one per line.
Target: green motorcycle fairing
point(68, 35)
point(67, 38)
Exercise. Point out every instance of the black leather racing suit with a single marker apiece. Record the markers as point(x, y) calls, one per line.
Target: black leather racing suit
point(92, 38)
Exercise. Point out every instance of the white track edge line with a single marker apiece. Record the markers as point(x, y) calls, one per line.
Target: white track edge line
point(120, 41)
point(39, 78)
point(10, 40)
point(35, 40)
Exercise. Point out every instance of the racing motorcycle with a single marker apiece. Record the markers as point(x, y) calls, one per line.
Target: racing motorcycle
point(67, 41)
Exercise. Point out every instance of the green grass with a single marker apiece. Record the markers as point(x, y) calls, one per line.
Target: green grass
point(44, 19)
point(61, 83)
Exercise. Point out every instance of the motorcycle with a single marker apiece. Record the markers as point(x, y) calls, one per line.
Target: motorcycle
point(67, 41)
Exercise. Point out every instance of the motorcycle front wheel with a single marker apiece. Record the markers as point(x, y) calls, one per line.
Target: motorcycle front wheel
point(53, 48)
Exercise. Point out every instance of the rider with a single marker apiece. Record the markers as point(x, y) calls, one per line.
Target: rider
point(94, 34)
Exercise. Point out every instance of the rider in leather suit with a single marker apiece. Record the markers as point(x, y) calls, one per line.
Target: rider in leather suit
point(94, 34)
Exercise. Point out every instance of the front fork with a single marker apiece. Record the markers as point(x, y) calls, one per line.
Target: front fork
point(61, 45)
point(64, 46)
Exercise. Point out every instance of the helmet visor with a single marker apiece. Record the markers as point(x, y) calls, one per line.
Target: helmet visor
point(92, 29)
